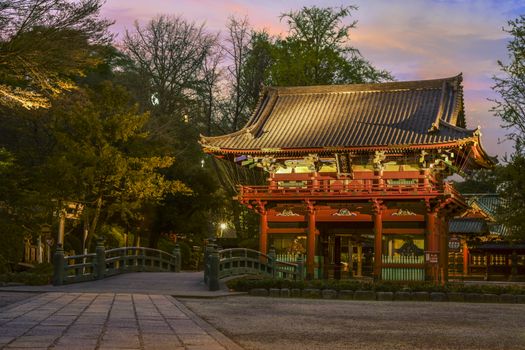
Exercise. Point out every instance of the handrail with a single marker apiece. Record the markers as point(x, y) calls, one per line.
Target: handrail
point(341, 187)
point(241, 261)
point(103, 263)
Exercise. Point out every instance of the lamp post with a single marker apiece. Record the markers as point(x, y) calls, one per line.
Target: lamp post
point(222, 226)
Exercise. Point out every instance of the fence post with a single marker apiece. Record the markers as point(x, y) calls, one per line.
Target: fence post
point(206, 263)
point(213, 274)
point(176, 254)
point(272, 263)
point(58, 266)
point(100, 259)
point(124, 265)
point(300, 267)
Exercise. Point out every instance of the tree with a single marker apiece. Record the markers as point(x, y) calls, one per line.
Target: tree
point(510, 108)
point(90, 147)
point(317, 51)
point(512, 191)
point(480, 181)
point(510, 85)
point(44, 45)
point(169, 52)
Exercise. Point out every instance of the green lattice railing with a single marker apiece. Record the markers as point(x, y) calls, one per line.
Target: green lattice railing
point(104, 263)
point(241, 261)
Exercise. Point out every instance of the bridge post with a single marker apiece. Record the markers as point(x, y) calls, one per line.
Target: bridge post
point(213, 276)
point(58, 266)
point(272, 261)
point(124, 260)
point(207, 251)
point(176, 254)
point(300, 268)
point(100, 251)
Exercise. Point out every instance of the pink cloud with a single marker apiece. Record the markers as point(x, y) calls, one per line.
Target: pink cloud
point(413, 39)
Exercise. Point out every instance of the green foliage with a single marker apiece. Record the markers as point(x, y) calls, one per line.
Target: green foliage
point(512, 192)
point(245, 284)
point(39, 275)
point(510, 84)
point(44, 45)
point(95, 142)
point(480, 181)
point(317, 51)
point(510, 107)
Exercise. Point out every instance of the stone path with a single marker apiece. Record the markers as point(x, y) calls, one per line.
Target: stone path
point(181, 284)
point(106, 321)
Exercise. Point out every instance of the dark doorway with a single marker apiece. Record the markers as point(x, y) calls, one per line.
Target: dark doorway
point(346, 250)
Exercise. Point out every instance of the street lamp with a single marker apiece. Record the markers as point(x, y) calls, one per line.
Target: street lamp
point(222, 226)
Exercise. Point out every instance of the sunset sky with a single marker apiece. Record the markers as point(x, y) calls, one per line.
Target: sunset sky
point(413, 39)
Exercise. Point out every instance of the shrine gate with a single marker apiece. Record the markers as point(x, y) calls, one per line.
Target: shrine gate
point(355, 174)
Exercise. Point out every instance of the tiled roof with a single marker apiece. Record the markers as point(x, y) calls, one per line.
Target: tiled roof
point(353, 116)
point(488, 202)
point(473, 226)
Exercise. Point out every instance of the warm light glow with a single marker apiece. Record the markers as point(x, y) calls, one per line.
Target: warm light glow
point(223, 226)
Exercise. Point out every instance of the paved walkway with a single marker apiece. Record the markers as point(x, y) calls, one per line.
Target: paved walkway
point(181, 284)
point(80, 321)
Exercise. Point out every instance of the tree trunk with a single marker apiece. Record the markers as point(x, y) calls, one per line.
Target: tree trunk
point(94, 222)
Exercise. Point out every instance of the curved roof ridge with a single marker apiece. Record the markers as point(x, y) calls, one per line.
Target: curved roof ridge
point(247, 128)
point(393, 85)
point(458, 128)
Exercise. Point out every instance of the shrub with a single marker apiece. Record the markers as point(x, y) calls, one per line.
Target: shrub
point(39, 275)
point(244, 284)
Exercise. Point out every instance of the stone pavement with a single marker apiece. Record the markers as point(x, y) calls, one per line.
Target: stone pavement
point(80, 321)
point(180, 284)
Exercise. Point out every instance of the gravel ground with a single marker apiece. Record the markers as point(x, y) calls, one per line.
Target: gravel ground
point(272, 323)
point(9, 298)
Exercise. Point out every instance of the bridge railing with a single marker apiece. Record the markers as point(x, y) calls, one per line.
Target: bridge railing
point(241, 261)
point(104, 263)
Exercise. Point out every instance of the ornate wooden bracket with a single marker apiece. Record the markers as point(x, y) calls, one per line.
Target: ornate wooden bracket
point(377, 206)
point(310, 206)
point(437, 205)
point(259, 206)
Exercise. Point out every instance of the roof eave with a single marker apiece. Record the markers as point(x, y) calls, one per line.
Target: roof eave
point(335, 149)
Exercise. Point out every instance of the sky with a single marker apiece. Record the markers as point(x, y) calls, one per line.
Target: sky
point(413, 39)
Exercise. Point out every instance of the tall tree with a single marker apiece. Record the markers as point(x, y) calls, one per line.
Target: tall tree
point(44, 45)
point(94, 142)
point(510, 108)
point(480, 181)
point(169, 52)
point(317, 50)
point(177, 65)
point(510, 84)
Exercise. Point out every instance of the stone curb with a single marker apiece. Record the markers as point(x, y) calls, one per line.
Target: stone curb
point(314, 293)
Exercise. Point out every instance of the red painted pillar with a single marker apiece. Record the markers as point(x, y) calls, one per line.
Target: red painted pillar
point(465, 257)
point(432, 242)
point(263, 234)
point(443, 248)
point(378, 242)
point(310, 250)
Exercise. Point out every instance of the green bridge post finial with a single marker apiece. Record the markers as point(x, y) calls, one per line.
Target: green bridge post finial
point(58, 266)
point(176, 254)
point(213, 273)
point(100, 252)
point(272, 261)
point(300, 268)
